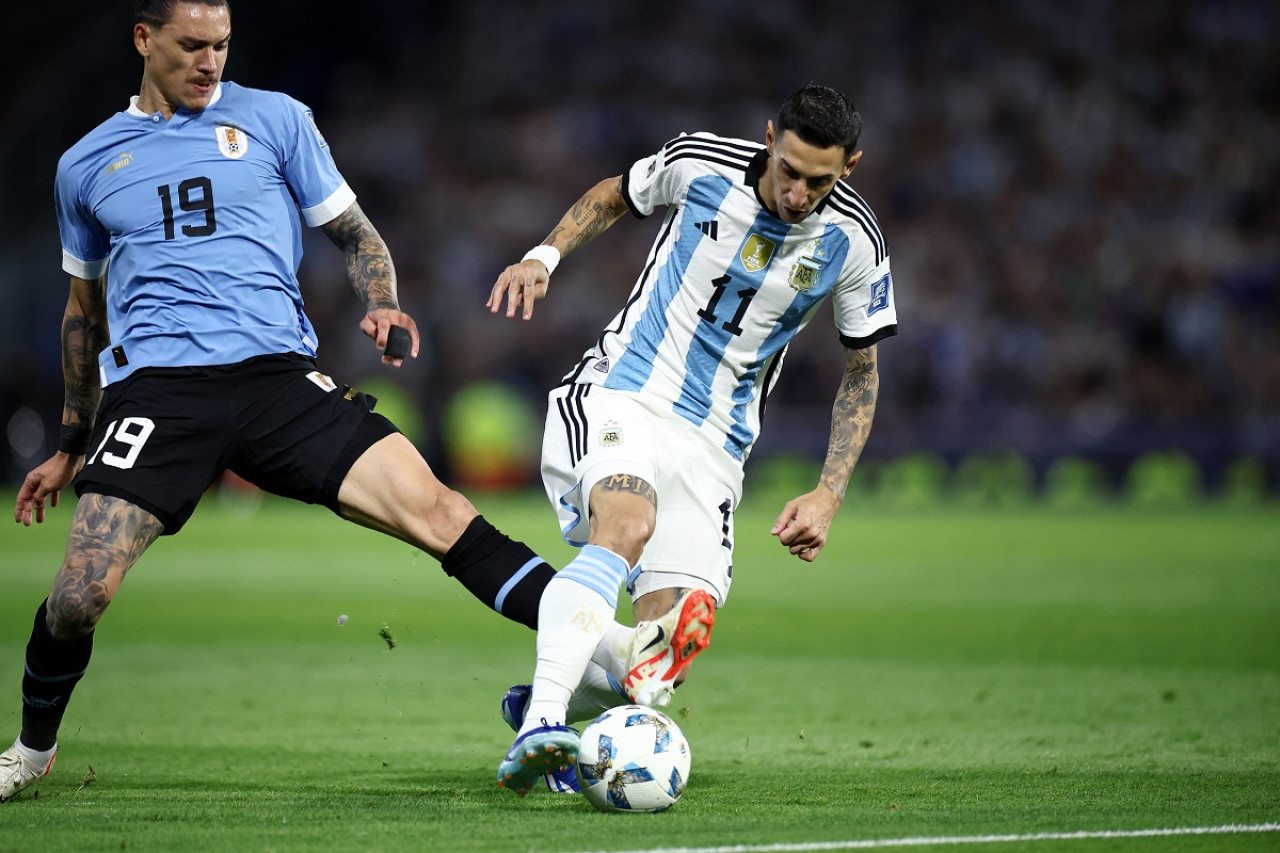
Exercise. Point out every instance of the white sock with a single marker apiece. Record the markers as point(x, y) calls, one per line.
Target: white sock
point(35, 756)
point(577, 608)
point(596, 692)
point(612, 650)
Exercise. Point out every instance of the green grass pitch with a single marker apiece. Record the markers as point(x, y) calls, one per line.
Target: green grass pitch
point(944, 674)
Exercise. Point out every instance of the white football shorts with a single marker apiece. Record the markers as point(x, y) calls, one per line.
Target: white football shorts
point(594, 432)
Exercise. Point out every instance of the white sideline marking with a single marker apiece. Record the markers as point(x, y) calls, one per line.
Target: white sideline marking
point(868, 844)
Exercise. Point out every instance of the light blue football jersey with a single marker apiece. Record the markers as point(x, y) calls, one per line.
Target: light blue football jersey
point(195, 221)
point(728, 285)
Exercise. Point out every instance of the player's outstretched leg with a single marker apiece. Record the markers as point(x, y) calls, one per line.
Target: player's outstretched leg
point(537, 752)
point(663, 648)
point(18, 772)
point(514, 704)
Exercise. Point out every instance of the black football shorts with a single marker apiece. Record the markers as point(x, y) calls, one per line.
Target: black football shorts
point(164, 435)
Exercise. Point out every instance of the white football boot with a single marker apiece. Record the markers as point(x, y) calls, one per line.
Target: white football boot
point(17, 773)
point(663, 648)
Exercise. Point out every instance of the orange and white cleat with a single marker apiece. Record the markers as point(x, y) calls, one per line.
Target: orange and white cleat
point(662, 649)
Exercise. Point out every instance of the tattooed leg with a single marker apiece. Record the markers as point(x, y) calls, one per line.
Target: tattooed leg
point(107, 537)
point(624, 513)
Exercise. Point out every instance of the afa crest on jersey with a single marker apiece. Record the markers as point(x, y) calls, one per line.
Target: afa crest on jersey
point(232, 141)
point(804, 275)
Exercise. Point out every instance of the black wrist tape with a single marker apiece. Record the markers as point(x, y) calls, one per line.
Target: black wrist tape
point(73, 440)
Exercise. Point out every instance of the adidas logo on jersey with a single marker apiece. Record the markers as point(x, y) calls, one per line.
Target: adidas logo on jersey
point(708, 228)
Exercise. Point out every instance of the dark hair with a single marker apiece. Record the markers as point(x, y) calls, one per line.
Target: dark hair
point(156, 13)
point(821, 116)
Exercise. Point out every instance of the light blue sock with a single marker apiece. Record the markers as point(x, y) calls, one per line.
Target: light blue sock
point(598, 569)
point(577, 607)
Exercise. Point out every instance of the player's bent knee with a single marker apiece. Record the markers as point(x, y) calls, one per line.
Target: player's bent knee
point(69, 618)
point(624, 533)
point(391, 487)
point(431, 518)
point(450, 514)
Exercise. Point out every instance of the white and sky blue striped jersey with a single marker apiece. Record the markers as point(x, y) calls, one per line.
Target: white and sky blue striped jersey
point(728, 284)
point(195, 220)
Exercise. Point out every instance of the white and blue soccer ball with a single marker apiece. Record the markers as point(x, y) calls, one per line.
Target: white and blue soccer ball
point(633, 759)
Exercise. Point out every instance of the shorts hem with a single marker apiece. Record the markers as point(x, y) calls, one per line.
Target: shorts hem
point(650, 580)
point(171, 523)
point(371, 430)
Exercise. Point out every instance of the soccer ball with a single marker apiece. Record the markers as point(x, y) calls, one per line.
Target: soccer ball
point(633, 759)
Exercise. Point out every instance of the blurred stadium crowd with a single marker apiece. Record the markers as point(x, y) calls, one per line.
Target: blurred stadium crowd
point(1081, 200)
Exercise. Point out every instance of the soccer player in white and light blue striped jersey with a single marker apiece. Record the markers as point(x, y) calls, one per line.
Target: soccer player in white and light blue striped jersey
point(647, 436)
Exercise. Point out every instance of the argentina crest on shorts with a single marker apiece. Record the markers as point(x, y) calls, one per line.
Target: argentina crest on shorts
point(232, 141)
point(611, 434)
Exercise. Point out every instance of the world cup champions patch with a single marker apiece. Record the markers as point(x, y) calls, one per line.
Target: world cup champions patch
point(756, 253)
point(879, 295)
point(232, 141)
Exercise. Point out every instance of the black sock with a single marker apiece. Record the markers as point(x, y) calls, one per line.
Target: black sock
point(53, 670)
point(503, 573)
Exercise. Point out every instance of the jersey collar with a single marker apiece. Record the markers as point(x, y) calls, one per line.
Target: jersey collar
point(137, 113)
point(754, 169)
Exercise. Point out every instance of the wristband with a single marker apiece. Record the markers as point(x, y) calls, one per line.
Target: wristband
point(73, 440)
point(549, 255)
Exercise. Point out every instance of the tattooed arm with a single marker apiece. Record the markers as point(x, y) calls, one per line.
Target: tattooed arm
point(803, 524)
point(372, 276)
point(84, 335)
point(590, 216)
point(526, 282)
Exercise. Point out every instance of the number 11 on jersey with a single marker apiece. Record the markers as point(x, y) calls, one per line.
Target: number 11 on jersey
point(733, 326)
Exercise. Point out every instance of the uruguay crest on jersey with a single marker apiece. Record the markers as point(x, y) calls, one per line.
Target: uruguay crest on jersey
point(232, 141)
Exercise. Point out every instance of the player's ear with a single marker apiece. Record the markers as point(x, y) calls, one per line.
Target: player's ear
point(142, 38)
point(853, 161)
point(769, 137)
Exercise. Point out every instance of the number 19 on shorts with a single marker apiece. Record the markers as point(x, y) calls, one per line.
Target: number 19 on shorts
point(132, 433)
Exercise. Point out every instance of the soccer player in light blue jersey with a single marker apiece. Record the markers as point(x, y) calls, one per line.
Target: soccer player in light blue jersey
point(646, 437)
point(186, 353)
